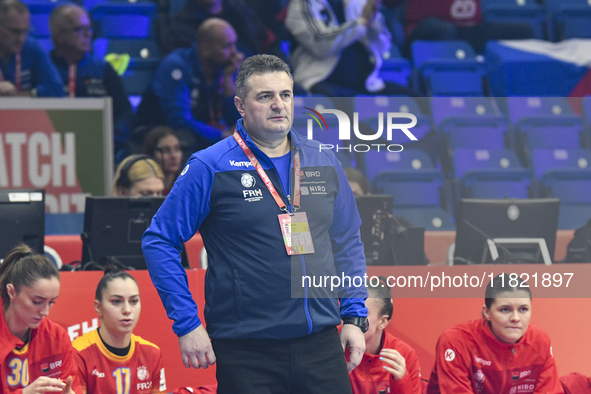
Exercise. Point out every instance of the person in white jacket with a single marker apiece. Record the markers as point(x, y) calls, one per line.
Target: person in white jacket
point(340, 45)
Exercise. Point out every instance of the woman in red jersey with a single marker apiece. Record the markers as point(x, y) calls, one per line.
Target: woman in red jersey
point(111, 359)
point(499, 354)
point(389, 365)
point(36, 354)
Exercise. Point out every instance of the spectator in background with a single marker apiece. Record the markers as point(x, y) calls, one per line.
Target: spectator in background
point(83, 75)
point(252, 37)
point(389, 364)
point(358, 182)
point(138, 175)
point(340, 47)
point(193, 88)
point(163, 145)
point(25, 68)
point(456, 20)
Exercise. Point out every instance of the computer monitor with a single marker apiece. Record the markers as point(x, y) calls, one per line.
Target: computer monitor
point(22, 219)
point(388, 240)
point(480, 222)
point(113, 229)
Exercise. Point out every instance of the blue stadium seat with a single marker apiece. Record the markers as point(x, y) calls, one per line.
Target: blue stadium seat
point(90, 4)
point(395, 68)
point(175, 6)
point(570, 18)
point(491, 174)
point(40, 11)
point(469, 122)
point(411, 160)
point(510, 183)
point(521, 108)
point(424, 52)
point(139, 76)
point(545, 123)
point(469, 160)
point(528, 11)
point(431, 218)
point(573, 187)
point(416, 196)
point(135, 48)
point(410, 188)
point(369, 108)
point(551, 160)
point(441, 64)
point(124, 20)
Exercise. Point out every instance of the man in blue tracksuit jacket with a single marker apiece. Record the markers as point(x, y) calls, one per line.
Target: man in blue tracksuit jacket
point(193, 88)
point(269, 329)
point(82, 74)
point(25, 68)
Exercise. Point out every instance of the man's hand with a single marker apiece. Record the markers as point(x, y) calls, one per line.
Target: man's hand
point(7, 88)
point(196, 349)
point(233, 64)
point(353, 338)
point(395, 363)
point(228, 82)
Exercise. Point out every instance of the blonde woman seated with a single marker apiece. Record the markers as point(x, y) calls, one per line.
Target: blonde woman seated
point(138, 175)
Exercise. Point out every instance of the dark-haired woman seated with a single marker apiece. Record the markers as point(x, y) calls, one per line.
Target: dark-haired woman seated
point(499, 354)
point(36, 353)
point(111, 359)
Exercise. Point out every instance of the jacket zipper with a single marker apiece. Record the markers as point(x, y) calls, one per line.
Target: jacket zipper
point(506, 370)
point(302, 259)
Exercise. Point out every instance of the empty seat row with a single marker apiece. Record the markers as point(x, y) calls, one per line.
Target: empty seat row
point(112, 20)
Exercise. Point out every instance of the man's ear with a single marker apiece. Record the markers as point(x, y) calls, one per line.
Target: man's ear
point(239, 105)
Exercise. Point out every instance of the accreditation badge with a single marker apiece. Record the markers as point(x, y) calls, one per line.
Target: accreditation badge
point(296, 233)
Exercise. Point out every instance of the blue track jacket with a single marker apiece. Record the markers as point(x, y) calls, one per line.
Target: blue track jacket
point(253, 289)
point(37, 71)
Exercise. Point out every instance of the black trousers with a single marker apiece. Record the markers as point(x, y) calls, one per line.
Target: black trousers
point(314, 364)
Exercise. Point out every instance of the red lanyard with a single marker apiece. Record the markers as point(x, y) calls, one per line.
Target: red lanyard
point(265, 177)
point(72, 80)
point(17, 71)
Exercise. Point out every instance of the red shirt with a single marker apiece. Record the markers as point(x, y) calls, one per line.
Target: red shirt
point(458, 12)
point(141, 371)
point(470, 359)
point(48, 353)
point(371, 378)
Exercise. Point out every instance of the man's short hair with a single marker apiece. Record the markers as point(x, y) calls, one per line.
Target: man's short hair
point(258, 65)
point(7, 5)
